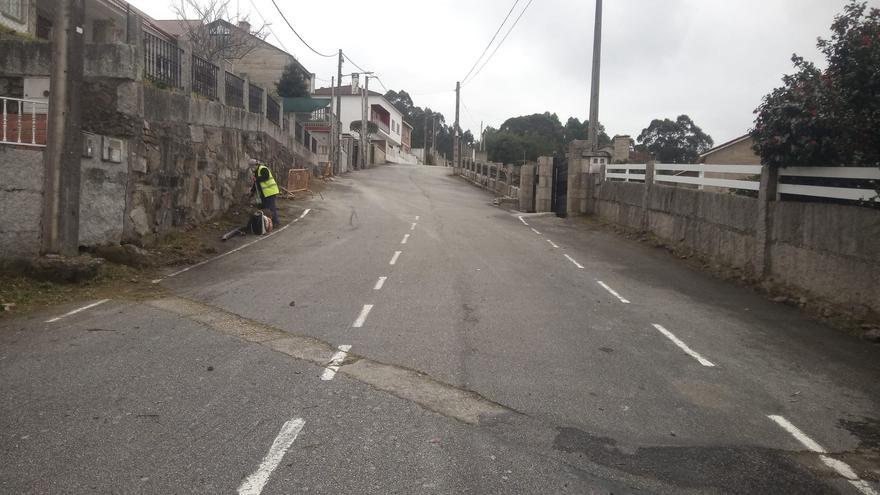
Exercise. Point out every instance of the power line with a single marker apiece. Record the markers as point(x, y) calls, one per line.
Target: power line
point(358, 67)
point(297, 34)
point(477, 61)
point(268, 26)
point(502, 40)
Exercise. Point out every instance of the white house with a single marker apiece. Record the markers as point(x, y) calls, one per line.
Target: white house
point(387, 118)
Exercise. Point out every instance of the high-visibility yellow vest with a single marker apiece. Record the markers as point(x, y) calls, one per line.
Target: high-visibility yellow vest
point(269, 187)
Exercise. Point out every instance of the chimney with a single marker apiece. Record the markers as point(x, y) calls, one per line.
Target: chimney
point(244, 26)
point(621, 148)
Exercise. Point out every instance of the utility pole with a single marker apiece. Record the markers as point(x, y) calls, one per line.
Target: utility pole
point(456, 144)
point(339, 114)
point(593, 134)
point(481, 136)
point(333, 134)
point(425, 137)
point(433, 137)
point(364, 118)
point(61, 181)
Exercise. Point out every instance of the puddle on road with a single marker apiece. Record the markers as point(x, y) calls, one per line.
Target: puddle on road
point(736, 470)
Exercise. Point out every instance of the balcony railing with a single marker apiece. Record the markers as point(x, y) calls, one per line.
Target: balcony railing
point(234, 91)
point(162, 61)
point(255, 99)
point(273, 110)
point(204, 78)
point(23, 122)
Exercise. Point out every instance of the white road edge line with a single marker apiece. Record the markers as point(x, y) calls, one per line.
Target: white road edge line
point(335, 362)
point(840, 467)
point(75, 311)
point(523, 221)
point(362, 318)
point(239, 248)
point(535, 231)
point(705, 362)
point(613, 292)
point(575, 262)
point(254, 484)
point(380, 283)
point(553, 244)
point(405, 238)
point(413, 226)
point(418, 218)
point(395, 257)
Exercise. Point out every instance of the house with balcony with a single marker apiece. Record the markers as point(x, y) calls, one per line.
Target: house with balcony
point(389, 139)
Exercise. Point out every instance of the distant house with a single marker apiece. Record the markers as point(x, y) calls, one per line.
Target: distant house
point(263, 65)
point(406, 137)
point(388, 119)
point(737, 151)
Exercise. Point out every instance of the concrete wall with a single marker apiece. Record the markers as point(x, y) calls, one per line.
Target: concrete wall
point(825, 249)
point(21, 199)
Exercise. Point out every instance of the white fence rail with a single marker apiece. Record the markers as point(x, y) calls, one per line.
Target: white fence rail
point(864, 179)
point(23, 122)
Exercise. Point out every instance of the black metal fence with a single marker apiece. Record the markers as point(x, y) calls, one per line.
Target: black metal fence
point(255, 99)
point(204, 77)
point(162, 61)
point(234, 91)
point(273, 110)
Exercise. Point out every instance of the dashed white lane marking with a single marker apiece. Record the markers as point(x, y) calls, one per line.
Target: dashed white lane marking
point(553, 244)
point(335, 363)
point(573, 261)
point(523, 221)
point(612, 292)
point(535, 231)
point(362, 318)
point(395, 257)
point(75, 311)
point(380, 283)
point(838, 466)
point(405, 239)
point(253, 484)
point(418, 218)
point(413, 226)
point(684, 347)
point(239, 248)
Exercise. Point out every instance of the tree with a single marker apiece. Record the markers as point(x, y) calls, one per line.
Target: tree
point(292, 83)
point(213, 33)
point(830, 117)
point(574, 129)
point(678, 141)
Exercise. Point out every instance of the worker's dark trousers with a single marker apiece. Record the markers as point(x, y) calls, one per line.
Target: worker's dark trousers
point(269, 204)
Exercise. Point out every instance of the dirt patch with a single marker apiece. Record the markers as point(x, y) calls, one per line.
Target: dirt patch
point(20, 294)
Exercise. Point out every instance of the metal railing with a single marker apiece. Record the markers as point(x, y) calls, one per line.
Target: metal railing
point(162, 61)
point(204, 77)
point(24, 122)
point(234, 91)
point(255, 99)
point(273, 110)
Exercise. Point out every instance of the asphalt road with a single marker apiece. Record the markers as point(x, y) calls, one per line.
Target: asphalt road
point(489, 353)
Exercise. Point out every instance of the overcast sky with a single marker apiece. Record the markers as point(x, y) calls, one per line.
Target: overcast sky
point(710, 59)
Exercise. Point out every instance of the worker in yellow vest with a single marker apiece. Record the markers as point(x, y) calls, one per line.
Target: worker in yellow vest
point(266, 187)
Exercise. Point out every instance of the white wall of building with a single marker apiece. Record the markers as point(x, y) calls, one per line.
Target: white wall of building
point(351, 111)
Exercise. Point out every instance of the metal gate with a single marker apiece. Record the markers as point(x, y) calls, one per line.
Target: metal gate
point(560, 186)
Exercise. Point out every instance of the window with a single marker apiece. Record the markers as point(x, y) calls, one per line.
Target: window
point(14, 9)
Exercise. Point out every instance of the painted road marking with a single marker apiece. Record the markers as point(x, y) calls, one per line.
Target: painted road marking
point(683, 346)
point(575, 262)
point(335, 363)
point(553, 244)
point(535, 231)
point(253, 484)
point(380, 283)
point(75, 311)
point(612, 292)
point(394, 258)
point(405, 238)
point(413, 226)
point(418, 218)
point(838, 466)
point(363, 316)
point(523, 221)
point(239, 248)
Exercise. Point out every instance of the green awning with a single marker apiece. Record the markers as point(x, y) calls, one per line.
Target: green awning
point(305, 104)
